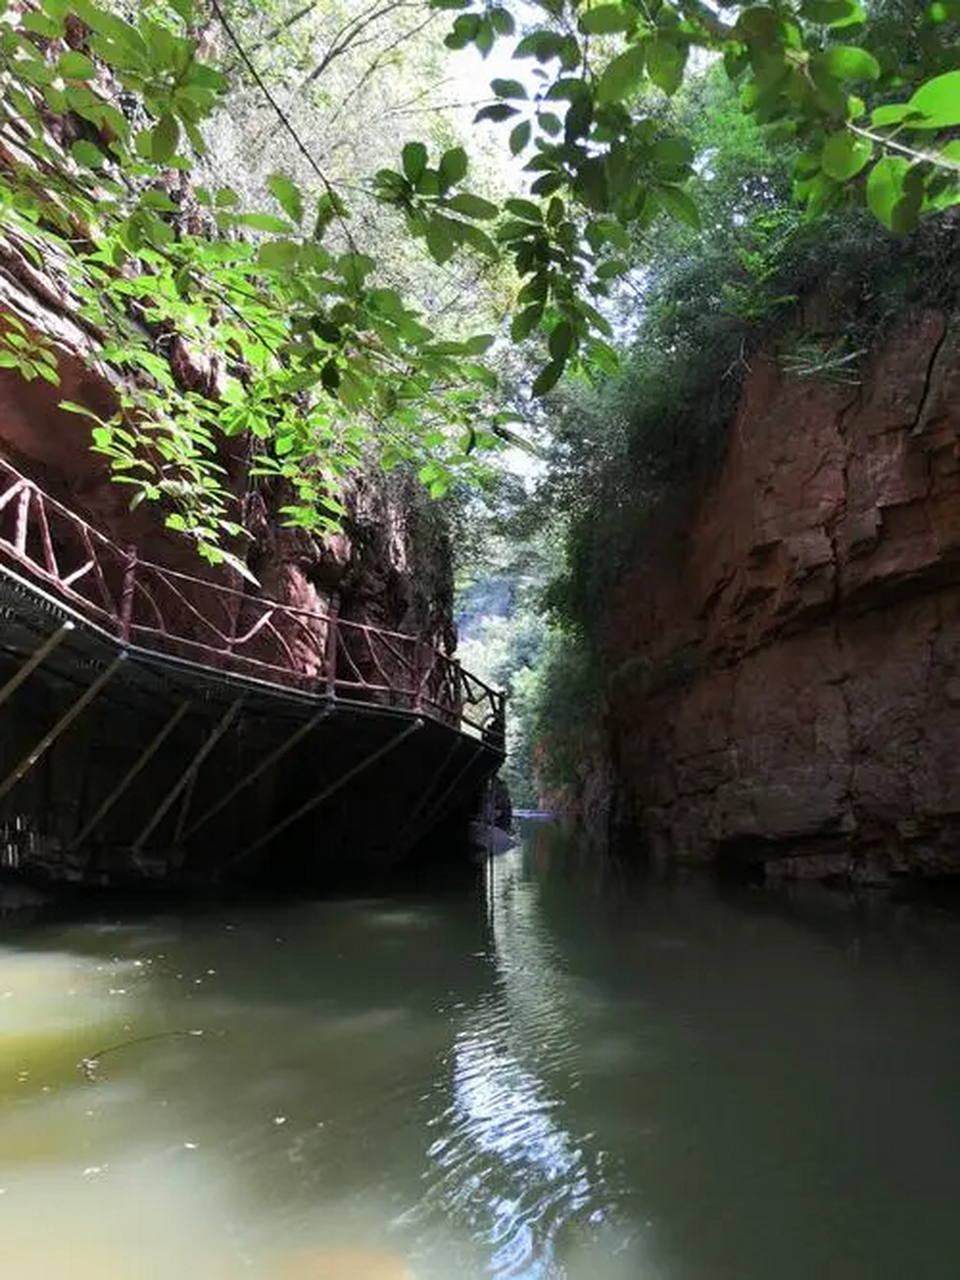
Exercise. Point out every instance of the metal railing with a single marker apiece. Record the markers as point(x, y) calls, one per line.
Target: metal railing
point(218, 626)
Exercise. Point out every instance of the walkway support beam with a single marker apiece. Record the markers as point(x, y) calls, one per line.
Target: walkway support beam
point(437, 808)
point(31, 664)
point(144, 758)
point(271, 759)
point(191, 771)
point(64, 723)
point(325, 794)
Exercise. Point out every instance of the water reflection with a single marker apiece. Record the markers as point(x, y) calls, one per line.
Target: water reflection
point(568, 1075)
point(511, 1165)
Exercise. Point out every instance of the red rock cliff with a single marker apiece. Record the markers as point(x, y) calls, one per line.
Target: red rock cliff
point(786, 685)
point(391, 566)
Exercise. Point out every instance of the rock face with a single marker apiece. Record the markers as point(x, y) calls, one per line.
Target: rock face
point(786, 664)
point(390, 567)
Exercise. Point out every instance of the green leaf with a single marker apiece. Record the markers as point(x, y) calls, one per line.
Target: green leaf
point(844, 155)
point(885, 187)
point(42, 24)
point(354, 268)
point(606, 231)
point(453, 167)
point(34, 71)
point(892, 113)
point(502, 21)
point(674, 153)
point(525, 209)
point(414, 157)
point(479, 343)
point(329, 206)
point(611, 268)
point(478, 240)
point(603, 356)
point(606, 18)
point(326, 330)
point(262, 222)
point(520, 137)
point(287, 195)
point(524, 322)
point(278, 255)
point(485, 37)
point(497, 112)
point(508, 89)
point(164, 137)
point(578, 119)
point(622, 76)
point(665, 63)
point(472, 206)
point(440, 240)
point(561, 341)
point(87, 153)
point(542, 45)
point(679, 204)
point(75, 66)
point(547, 183)
point(939, 101)
point(71, 406)
point(833, 13)
point(591, 184)
point(848, 62)
point(547, 378)
point(158, 200)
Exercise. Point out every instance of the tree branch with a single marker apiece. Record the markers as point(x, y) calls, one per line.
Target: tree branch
point(927, 157)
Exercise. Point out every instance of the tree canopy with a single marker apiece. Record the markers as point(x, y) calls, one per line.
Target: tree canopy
point(319, 349)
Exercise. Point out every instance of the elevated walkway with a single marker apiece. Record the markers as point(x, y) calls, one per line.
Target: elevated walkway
point(156, 726)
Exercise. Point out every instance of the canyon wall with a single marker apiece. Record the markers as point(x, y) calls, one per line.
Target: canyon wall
point(390, 566)
point(784, 651)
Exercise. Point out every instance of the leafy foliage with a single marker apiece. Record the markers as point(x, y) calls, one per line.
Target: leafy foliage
point(309, 352)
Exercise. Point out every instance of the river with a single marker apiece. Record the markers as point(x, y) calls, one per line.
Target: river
point(563, 1070)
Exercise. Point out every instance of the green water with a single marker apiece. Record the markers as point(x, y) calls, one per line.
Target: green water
point(558, 1071)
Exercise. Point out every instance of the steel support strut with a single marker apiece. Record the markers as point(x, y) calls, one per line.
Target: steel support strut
point(425, 796)
point(145, 756)
point(325, 794)
point(438, 808)
point(189, 773)
point(31, 664)
point(64, 723)
point(271, 759)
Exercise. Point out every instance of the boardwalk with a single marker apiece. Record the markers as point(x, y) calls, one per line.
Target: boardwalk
point(159, 725)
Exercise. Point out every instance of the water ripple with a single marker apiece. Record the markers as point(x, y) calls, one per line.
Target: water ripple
point(507, 1163)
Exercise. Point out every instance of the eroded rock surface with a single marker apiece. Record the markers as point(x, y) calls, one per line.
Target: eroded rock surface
point(787, 663)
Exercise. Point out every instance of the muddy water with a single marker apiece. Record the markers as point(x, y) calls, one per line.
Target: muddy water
point(562, 1072)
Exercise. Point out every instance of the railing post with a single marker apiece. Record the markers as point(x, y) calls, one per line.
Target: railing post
point(419, 673)
point(500, 717)
point(330, 657)
point(458, 691)
point(126, 598)
point(23, 513)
